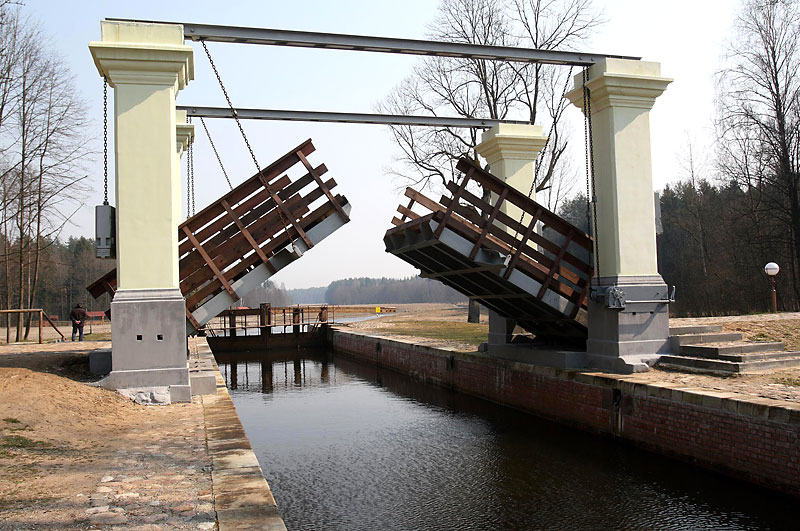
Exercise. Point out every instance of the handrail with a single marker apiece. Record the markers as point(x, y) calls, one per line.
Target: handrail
point(42, 314)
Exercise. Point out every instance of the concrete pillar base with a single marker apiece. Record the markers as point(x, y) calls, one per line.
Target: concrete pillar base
point(500, 329)
point(149, 350)
point(630, 339)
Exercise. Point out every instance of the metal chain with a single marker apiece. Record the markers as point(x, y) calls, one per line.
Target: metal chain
point(105, 140)
point(241, 130)
point(190, 157)
point(188, 179)
point(225, 173)
point(587, 95)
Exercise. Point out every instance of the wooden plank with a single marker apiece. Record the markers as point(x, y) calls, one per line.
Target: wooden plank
point(260, 200)
point(555, 267)
point(249, 237)
point(250, 185)
point(430, 204)
point(449, 211)
point(488, 224)
point(210, 262)
point(396, 221)
point(229, 249)
point(240, 268)
point(312, 171)
point(253, 219)
point(192, 320)
point(530, 267)
point(523, 202)
point(192, 273)
point(408, 207)
point(286, 216)
point(522, 245)
point(407, 213)
point(537, 238)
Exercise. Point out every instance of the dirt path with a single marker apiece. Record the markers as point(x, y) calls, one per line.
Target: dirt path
point(74, 456)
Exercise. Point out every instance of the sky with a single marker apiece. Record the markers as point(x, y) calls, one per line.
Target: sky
point(686, 37)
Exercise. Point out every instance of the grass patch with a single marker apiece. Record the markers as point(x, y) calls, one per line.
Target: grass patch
point(18, 442)
point(470, 333)
point(12, 420)
point(795, 382)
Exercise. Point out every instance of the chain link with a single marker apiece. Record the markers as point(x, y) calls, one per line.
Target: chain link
point(190, 159)
point(244, 136)
point(589, 141)
point(105, 140)
point(222, 167)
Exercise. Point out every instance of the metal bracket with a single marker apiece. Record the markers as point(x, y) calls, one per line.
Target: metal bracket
point(668, 300)
point(613, 297)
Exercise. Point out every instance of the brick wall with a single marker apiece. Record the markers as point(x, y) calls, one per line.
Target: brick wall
point(755, 440)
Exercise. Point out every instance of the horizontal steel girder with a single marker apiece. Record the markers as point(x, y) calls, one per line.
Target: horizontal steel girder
point(343, 117)
point(364, 43)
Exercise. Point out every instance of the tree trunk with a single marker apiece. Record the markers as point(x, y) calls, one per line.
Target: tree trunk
point(474, 312)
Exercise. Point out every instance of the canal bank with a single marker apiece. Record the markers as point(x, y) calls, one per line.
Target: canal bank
point(242, 497)
point(749, 438)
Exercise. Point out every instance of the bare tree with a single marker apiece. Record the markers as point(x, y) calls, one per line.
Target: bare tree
point(476, 88)
point(42, 145)
point(759, 123)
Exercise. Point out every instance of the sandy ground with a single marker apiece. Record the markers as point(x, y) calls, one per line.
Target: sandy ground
point(782, 384)
point(73, 456)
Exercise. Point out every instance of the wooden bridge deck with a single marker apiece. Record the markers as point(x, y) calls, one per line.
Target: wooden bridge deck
point(239, 241)
point(537, 273)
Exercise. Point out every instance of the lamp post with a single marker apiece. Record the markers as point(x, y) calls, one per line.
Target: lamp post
point(772, 269)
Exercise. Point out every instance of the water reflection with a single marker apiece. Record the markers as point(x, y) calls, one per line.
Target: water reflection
point(347, 445)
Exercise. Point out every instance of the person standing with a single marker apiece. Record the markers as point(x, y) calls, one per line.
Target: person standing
point(78, 317)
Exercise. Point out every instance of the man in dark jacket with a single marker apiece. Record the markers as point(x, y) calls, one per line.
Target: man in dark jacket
point(78, 317)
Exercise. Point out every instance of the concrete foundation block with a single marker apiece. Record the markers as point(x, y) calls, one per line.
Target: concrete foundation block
point(149, 345)
point(180, 393)
point(100, 362)
point(632, 339)
point(203, 383)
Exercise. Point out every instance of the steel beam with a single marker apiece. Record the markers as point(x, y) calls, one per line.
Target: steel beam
point(343, 117)
point(365, 43)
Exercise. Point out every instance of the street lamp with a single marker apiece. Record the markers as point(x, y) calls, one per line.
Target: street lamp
point(772, 269)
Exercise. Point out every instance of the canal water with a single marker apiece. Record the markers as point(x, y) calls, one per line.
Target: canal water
point(354, 447)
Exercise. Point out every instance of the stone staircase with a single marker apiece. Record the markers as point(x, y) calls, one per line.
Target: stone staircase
point(707, 349)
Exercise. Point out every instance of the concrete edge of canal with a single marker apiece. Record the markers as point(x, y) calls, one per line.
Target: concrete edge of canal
point(242, 497)
point(753, 439)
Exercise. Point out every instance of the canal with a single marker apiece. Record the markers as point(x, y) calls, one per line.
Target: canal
point(349, 446)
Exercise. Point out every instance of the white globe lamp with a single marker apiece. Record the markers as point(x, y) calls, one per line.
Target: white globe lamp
point(772, 269)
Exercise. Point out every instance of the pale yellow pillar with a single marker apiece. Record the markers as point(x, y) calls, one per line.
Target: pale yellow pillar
point(628, 308)
point(511, 151)
point(146, 64)
point(622, 94)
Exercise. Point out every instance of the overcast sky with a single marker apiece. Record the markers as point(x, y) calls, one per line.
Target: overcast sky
point(686, 37)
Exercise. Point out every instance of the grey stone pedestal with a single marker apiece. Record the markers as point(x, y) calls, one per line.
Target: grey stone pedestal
point(630, 339)
point(500, 329)
point(148, 329)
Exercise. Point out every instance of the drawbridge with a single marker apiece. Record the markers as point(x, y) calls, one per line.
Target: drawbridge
point(537, 273)
point(238, 242)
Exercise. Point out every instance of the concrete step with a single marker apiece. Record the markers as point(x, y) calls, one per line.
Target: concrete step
point(697, 339)
point(696, 329)
point(716, 350)
point(724, 367)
